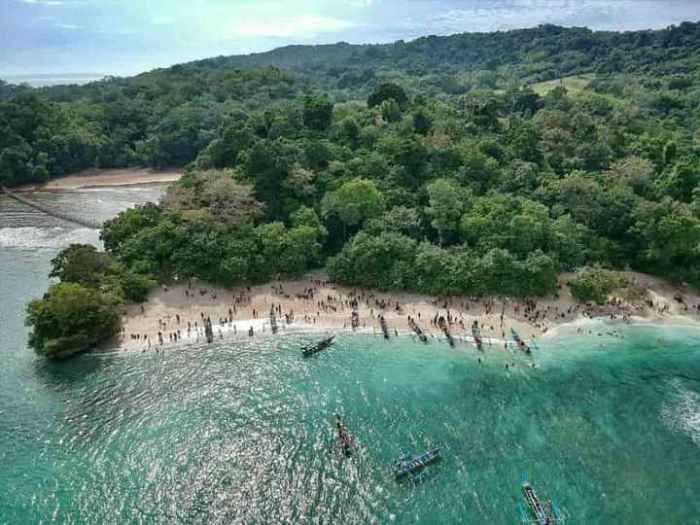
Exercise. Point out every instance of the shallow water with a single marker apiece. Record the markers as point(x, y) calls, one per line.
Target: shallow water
point(242, 432)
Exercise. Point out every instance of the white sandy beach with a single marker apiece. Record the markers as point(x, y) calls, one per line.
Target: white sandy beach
point(311, 303)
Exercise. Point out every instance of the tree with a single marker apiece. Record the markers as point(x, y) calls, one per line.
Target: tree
point(594, 284)
point(668, 234)
point(398, 219)
point(216, 193)
point(390, 110)
point(384, 261)
point(81, 263)
point(318, 112)
point(354, 202)
point(422, 123)
point(116, 231)
point(388, 91)
point(226, 150)
point(267, 166)
point(308, 217)
point(447, 202)
point(71, 318)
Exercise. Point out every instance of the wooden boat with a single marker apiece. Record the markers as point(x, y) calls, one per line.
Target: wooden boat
point(536, 512)
point(476, 334)
point(273, 321)
point(521, 344)
point(315, 348)
point(406, 465)
point(343, 437)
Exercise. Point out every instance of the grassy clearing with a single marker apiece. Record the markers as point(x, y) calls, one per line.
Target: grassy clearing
point(574, 84)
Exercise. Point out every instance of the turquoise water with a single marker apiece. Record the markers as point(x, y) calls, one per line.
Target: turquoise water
point(607, 425)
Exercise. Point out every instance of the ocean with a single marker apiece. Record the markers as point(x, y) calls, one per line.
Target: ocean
point(606, 424)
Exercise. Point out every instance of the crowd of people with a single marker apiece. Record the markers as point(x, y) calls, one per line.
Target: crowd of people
point(319, 303)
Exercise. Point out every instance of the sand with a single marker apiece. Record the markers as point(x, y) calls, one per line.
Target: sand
point(234, 312)
point(104, 178)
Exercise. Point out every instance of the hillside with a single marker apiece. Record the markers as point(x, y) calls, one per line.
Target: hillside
point(451, 168)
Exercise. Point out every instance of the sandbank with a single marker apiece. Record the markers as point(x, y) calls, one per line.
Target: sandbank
point(97, 178)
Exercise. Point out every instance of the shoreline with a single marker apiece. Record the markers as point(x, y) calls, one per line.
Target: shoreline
point(312, 304)
point(107, 178)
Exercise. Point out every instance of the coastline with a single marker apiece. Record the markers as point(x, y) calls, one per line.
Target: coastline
point(102, 178)
point(312, 304)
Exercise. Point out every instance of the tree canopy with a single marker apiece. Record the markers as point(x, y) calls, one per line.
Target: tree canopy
point(479, 163)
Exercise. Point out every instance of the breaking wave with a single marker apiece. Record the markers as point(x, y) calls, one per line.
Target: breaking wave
point(683, 413)
point(57, 237)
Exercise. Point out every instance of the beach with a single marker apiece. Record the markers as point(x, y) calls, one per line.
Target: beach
point(175, 315)
point(98, 178)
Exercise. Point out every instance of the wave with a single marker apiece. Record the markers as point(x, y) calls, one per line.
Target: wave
point(683, 414)
point(56, 237)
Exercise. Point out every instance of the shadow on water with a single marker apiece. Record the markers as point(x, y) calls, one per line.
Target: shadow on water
point(64, 375)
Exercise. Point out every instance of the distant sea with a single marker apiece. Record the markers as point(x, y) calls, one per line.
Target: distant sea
point(607, 424)
point(52, 80)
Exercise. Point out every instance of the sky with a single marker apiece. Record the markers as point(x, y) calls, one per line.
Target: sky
point(124, 37)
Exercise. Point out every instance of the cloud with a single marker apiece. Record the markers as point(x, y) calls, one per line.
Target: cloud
point(303, 26)
point(70, 27)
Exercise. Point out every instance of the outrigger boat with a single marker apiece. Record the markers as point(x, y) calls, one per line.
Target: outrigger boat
point(345, 440)
point(406, 465)
point(315, 348)
point(536, 512)
point(476, 334)
point(521, 344)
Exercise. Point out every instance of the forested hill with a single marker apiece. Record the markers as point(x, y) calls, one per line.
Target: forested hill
point(525, 55)
point(166, 117)
point(457, 63)
point(442, 168)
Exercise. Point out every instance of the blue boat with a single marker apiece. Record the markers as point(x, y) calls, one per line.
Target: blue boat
point(406, 465)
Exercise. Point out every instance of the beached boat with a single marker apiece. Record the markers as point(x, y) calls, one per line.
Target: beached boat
point(315, 348)
point(406, 465)
point(535, 511)
point(476, 334)
point(519, 341)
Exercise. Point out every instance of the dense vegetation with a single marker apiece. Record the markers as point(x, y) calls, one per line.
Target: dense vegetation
point(168, 116)
point(435, 166)
point(84, 308)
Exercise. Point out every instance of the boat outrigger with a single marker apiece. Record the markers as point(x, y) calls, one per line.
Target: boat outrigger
point(406, 465)
point(519, 341)
point(315, 348)
point(536, 512)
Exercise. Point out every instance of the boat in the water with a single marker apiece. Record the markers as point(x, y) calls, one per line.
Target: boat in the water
point(345, 440)
point(315, 348)
point(519, 341)
point(537, 513)
point(406, 465)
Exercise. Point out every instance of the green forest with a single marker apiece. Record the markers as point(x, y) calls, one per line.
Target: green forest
point(472, 164)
